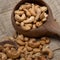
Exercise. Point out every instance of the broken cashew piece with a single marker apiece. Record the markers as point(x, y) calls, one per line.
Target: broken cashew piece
point(20, 18)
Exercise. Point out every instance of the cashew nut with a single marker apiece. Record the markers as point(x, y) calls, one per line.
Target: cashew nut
point(34, 44)
point(34, 26)
point(42, 58)
point(20, 18)
point(29, 48)
point(38, 13)
point(26, 39)
point(43, 20)
point(3, 56)
point(43, 8)
point(36, 50)
point(17, 23)
point(20, 42)
point(9, 59)
point(19, 12)
point(26, 6)
point(22, 58)
point(30, 20)
point(27, 12)
point(26, 27)
point(38, 24)
point(32, 10)
point(43, 16)
point(16, 55)
point(48, 51)
point(36, 55)
point(20, 37)
point(1, 47)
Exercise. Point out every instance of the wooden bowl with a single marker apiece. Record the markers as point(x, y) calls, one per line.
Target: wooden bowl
point(41, 31)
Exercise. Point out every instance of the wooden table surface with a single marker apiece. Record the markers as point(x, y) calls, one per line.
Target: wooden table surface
point(6, 28)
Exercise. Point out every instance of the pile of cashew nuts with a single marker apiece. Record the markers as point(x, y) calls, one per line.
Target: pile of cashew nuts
point(30, 16)
point(28, 49)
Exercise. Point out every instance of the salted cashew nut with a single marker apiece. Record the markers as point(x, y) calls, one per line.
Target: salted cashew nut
point(19, 12)
point(48, 51)
point(3, 56)
point(29, 20)
point(10, 54)
point(20, 18)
